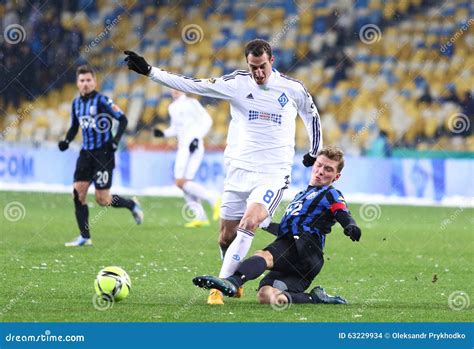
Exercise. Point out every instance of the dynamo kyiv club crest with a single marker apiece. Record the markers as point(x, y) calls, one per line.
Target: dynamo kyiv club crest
point(283, 99)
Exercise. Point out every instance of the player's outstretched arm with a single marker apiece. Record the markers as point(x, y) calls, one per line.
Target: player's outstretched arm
point(123, 122)
point(71, 133)
point(107, 105)
point(216, 88)
point(349, 224)
point(137, 63)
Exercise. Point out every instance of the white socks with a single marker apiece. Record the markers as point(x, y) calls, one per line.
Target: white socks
point(236, 252)
point(266, 222)
point(200, 192)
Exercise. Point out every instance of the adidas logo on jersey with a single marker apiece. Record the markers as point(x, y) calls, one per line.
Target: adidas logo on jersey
point(249, 96)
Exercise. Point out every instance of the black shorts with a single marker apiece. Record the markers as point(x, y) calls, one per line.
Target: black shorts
point(296, 262)
point(96, 166)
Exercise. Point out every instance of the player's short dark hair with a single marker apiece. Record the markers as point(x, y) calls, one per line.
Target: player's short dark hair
point(258, 47)
point(333, 153)
point(84, 69)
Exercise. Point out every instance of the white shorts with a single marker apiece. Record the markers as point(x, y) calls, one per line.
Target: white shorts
point(187, 164)
point(243, 187)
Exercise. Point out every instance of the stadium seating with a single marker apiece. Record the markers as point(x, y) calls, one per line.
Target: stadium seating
point(361, 88)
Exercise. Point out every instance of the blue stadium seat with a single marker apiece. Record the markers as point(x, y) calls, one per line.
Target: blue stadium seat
point(319, 25)
point(361, 4)
point(420, 82)
point(249, 34)
point(290, 7)
point(321, 4)
point(352, 92)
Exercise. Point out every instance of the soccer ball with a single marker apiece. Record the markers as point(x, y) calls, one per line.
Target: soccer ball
point(112, 284)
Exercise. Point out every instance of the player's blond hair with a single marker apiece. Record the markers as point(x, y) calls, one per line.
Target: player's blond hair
point(334, 153)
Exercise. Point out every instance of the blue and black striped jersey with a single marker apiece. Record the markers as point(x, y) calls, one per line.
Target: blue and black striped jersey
point(312, 211)
point(94, 113)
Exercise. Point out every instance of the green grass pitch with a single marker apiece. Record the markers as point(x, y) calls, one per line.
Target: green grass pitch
point(412, 264)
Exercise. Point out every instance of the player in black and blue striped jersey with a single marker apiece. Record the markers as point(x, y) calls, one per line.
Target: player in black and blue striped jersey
point(296, 256)
point(93, 113)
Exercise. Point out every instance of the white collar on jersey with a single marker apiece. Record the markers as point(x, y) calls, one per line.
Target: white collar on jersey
point(271, 79)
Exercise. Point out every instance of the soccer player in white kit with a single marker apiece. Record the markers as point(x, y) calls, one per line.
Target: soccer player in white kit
point(264, 103)
point(190, 123)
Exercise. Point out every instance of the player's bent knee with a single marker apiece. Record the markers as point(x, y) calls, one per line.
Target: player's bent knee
point(249, 223)
point(79, 196)
point(102, 201)
point(267, 256)
point(265, 295)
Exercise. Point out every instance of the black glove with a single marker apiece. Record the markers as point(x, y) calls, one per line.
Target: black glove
point(193, 145)
point(63, 145)
point(308, 160)
point(137, 63)
point(353, 231)
point(158, 133)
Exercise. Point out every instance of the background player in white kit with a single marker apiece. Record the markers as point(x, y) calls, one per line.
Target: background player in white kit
point(190, 123)
point(265, 104)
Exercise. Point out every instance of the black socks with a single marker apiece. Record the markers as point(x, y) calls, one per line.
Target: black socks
point(119, 201)
point(82, 216)
point(249, 269)
point(298, 298)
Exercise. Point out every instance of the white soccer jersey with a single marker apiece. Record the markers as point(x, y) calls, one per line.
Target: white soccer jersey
point(230, 151)
point(189, 120)
point(265, 115)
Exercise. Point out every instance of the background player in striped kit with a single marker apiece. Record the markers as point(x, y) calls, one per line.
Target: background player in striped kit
point(93, 112)
point(295, 258)
point(190, 123)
